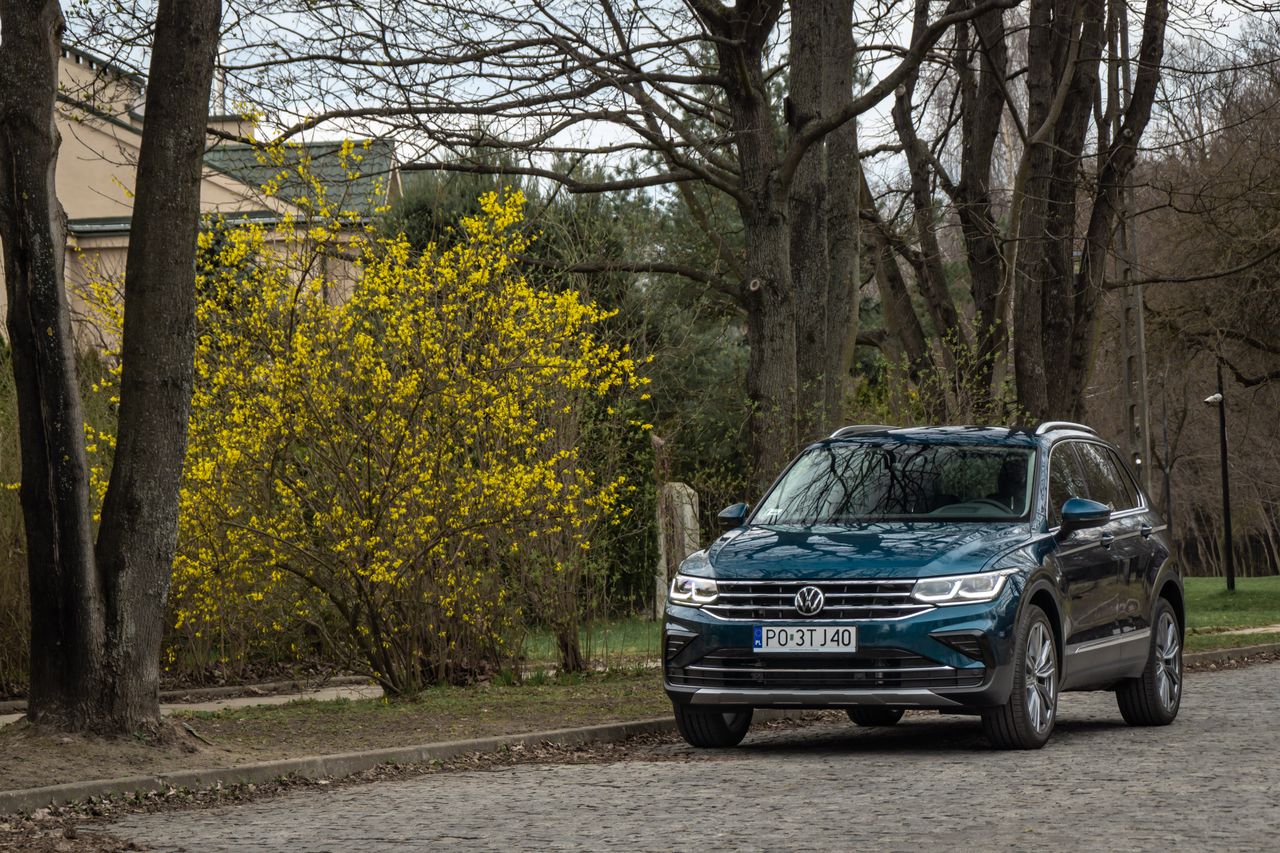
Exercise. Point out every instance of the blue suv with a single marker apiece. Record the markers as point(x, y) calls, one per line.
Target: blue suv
point(970, 570)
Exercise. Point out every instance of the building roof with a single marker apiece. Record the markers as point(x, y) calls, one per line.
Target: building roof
point(376, 167)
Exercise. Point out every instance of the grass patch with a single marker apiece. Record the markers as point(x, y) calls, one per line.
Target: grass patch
point(309, 727)
point(438, 714)
point(1254, 604)
point(1213, 642)
point(632, 639)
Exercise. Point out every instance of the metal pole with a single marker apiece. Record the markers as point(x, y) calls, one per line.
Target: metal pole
point(1227, 549)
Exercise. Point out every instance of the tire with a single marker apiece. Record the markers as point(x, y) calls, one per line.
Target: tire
point(712, 728)
point(873, 715)
point(1026, 720)
point(1153, 698)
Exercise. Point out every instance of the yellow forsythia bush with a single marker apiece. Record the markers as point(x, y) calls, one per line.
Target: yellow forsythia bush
point(371, 453)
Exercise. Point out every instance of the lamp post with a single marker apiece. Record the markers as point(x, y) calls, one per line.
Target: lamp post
point(1220, 401)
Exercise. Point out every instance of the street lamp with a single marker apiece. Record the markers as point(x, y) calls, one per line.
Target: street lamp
point(1219, 401)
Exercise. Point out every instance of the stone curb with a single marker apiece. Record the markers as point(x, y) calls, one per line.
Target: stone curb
point(269, 688)
point(322, 766)
point(1224, 655)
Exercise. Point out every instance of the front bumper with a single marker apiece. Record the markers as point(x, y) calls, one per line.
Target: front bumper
point(948, 657)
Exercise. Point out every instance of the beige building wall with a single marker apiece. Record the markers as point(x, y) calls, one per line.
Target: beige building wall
point(99, 120)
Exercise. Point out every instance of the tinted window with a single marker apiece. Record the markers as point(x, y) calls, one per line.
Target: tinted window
point(846, 483)
point(1101, 477)
point(1066, 479)
point(1126, 481)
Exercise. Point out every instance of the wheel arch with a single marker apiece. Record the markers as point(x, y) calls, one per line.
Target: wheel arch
point(1041, 595)
point(1171, 591)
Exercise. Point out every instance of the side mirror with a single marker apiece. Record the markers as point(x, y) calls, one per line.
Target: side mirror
point(733, 516)
point(1081, 514)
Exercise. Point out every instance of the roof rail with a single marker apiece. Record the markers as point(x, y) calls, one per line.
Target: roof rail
point(858, 429)
point(1052, 425)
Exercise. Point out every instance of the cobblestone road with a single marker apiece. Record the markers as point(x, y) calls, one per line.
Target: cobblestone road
point(1209, 782)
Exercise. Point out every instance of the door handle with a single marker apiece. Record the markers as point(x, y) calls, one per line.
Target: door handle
point(1107, 539)
point(1145, 530)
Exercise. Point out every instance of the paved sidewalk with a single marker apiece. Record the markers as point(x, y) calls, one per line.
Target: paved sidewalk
point(359, 691)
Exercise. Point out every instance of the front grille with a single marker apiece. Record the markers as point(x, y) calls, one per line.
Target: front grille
point(876, 668)
point(845, 599)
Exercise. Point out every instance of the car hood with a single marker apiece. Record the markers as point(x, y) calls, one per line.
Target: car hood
point(886, 550)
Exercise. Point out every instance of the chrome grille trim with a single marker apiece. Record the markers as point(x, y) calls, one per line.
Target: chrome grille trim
point(773, 600)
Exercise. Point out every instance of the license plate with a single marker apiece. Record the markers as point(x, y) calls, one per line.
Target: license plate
point(806, 638)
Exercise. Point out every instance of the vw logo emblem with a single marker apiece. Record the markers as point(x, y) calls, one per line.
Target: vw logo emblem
point(809, 601)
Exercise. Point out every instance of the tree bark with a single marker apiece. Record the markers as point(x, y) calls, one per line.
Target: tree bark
point(982, 108)
point(1063, 43)
point(1117, 166)
point(139, 528)
point(98, 614)
point(844, 248)
point(66, 606)
point(806, 204)
point(769, 298)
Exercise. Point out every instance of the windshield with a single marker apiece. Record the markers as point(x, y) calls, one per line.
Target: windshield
point(848, 483)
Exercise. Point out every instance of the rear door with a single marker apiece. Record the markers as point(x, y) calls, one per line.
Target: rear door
point(1136, 552)
point(1087, 564)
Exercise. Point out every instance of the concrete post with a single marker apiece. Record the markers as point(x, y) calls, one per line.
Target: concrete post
point(677, 535)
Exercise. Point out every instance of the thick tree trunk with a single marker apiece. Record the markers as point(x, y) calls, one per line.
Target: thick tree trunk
point(66, 613)
point(771, 333)
point(1117, 166)
point(844, 249)
point(768, 298)
point(140, 514)
point(1064, 43)
point(982, 108)
point(98, 614)
point(807, 214)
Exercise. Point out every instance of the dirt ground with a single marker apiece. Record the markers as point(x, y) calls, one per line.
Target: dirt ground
point(262, 733)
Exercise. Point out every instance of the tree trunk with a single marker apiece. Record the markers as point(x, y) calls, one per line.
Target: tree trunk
point(1064, 44)
point(140, 513)
point(982, 108)
point(771, 333)
point(1115, 171)
point(98, 615)
point(844, 249)
point(807, 215)
point(769, 300)
point(66, 605)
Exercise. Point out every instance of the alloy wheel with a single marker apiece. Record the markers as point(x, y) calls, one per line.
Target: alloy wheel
point(1168, 661)
point(1041, 670)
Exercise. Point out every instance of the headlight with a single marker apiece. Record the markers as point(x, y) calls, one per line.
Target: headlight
point(961, 589)
point(686, 589)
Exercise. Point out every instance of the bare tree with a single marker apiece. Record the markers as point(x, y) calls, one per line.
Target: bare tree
point(98, 609)
point(753, 102)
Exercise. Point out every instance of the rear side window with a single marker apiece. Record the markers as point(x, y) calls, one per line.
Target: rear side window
point(1102, 477)
point(1066, 479)
point(1126, 481)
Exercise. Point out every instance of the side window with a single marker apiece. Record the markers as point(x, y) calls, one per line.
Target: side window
point(1066, 479)
point(1126, 481)
point(1101, 477)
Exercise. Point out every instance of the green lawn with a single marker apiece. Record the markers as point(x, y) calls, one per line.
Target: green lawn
point(618, 641)
point(1255, 603)
point(1206, 642)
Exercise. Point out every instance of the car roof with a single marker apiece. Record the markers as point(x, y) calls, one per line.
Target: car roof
point(977, 435)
